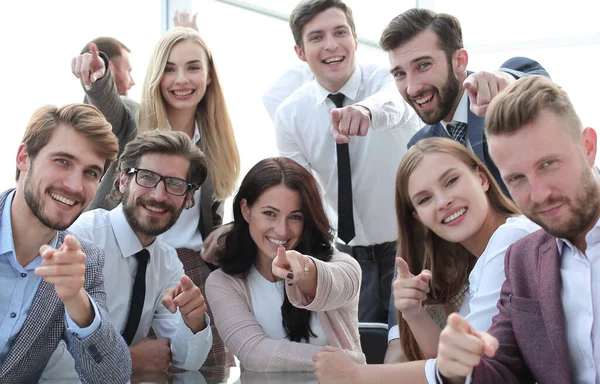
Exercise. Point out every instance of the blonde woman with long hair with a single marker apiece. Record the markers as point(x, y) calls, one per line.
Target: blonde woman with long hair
point(454, 226)
point(181, 92)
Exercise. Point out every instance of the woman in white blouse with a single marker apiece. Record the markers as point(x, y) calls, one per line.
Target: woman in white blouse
point(454, 226)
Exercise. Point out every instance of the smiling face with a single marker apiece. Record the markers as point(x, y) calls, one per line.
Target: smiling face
point(553, 179)
point(62, 178)
point(328, 46)
point(275, 220)
point(186, 76)
point(152, 211)
point(448, 197)
point(426, 79)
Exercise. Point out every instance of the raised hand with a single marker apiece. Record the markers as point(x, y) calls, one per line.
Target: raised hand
point(290, 265)
point(151, 355)
point(88, 66)
point(187, 297)
point(483, 86)
point(410, 291)
point(353, 120)
point(461, 347)
point(211, 244)
point(182, 19)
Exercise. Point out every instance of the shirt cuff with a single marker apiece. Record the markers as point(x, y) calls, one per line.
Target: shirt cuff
point(439, 376)
point(189, 350)
point(82, 333)
point(393, 333)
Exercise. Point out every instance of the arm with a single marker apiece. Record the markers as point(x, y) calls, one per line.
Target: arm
point(388, 108)
point(284, 86)
point(243, 335)
point(287, 144)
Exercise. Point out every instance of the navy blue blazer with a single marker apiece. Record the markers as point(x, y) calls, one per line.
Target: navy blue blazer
point(518, 67)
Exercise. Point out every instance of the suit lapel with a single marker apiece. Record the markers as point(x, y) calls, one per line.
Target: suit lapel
point(475, 133)
point(439, 131)
point(551, 300)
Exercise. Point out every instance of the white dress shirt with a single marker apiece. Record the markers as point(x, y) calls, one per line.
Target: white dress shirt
point(111, 230)
point(302, 129)
point(461, 115)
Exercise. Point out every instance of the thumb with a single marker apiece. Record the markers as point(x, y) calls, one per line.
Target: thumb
point(72, 243)
point(459, 324)
point(471, 86)
point(403, 270)
point(46, 251)
point(425, 275)
point(336, 115)
point(186, 283)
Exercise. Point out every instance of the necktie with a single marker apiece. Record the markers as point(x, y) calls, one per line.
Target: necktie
point(345, 214)
point(458, 131)
point(137, 297)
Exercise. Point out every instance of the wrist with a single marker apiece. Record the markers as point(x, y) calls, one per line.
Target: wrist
point(413, 314)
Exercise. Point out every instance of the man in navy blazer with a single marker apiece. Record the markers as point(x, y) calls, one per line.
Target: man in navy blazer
point(548, 326)
point(429, 65)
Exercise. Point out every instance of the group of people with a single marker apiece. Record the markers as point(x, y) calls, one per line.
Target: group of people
point(117, 257)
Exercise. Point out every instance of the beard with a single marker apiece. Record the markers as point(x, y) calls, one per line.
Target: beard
point(148, 225)
point(583, 210)
point(36, 204)
point(446, 97)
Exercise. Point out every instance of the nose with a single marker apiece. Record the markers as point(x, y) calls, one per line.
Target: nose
point(331, 43)
point(159, 193)
point(281, 227)
point(413, 85)
point(443, 200)
point(539, 192)
point(181, 77)
point(131, 82)
point(74, 182)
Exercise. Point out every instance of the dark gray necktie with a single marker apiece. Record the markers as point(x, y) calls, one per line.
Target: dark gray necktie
point(346, 230)
point(458, 131)
point(137, 297)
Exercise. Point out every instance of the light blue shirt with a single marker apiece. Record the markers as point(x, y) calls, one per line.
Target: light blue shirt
point(19, 285)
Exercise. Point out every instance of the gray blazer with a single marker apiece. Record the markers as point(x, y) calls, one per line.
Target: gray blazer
point(121, 113)
point(102, 357)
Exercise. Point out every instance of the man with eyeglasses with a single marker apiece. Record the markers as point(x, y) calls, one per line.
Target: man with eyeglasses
point(145, 283)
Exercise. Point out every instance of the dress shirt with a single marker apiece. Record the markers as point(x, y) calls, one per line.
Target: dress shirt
point(461, 115)
point(111, 230)
point(19, 286)
point(302, 129)
point(291, 80)
point(185, 233)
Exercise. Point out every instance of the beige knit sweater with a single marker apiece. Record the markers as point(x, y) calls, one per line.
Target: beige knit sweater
point(336, 304)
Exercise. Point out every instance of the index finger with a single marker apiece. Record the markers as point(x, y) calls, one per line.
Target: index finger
point(403, 270)
point(186, 283)
point(72, 243)
point(93, 50)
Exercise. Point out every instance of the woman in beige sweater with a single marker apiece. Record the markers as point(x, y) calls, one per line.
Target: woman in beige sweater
point(283, 292)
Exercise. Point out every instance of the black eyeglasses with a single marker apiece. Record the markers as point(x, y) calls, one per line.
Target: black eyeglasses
point(148, 179)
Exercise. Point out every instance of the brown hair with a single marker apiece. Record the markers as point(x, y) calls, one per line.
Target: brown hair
point(449, 263)
point(218, 140)
point(83, 118)
point(169, 143)
point(306, 10)
point(523, 101)
point(407, 25)
point(110, 46)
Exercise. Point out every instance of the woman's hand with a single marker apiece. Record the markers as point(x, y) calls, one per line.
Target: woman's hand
point(291, 266)
point(410, 291)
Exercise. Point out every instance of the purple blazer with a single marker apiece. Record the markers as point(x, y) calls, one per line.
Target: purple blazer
point(530, 326)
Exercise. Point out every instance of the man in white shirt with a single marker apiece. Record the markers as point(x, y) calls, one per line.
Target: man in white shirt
point(159, 172)
point(356, 176)
point(548, 326)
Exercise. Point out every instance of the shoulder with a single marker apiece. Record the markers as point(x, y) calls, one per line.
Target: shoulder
point(219, 279)
point(514, 229)
point(423, 133)
point(90, 223)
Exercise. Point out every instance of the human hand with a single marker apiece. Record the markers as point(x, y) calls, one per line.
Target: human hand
point(290, 265)
point(333, 366)
point(182, 19)
point(353, 120)
point(88, 66)
point(211, 244)
point(151, 355)
point(410, 291)
point(483, 86)
point(187, 297)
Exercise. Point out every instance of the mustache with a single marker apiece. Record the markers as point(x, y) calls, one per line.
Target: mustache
point(538, 207)
point(433, 90)
point(150, 202)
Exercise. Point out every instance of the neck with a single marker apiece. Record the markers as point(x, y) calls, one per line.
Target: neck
point(477, 243)
point(29, 234)
point(145, 240)
point(263, 266)
point(182, 121)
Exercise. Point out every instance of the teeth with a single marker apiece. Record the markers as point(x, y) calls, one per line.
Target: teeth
point(275, 241)
point(423, 100)
point(333, 60)
point(183, 93)
point(62, 199)
point(455, 215)
point(154, 209)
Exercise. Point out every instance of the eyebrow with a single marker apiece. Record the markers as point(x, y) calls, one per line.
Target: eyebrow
point(442, 177)
point(275, 209)
point(70, 156)
point(195, 61)
point(341, 26)
point(426, 57)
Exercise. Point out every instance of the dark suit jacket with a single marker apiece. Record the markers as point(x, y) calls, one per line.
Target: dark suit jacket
point(518, 67)
point(102, 357)
point(121, 113)
point(531, 323)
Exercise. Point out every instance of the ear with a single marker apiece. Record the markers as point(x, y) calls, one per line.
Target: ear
point(460, 61)
point(300, 52)
point(123, 182)
point(355, 41)
point(111, 66)
point(22, 158)
point(485, 183)
point(245, 209)
point(590, 145)
point(189, 199)
point(416, 216)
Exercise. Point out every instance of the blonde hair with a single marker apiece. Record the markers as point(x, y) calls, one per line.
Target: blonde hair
point(218, 140)
point(449, 263)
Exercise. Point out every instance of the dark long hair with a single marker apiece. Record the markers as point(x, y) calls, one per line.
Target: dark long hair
point(237, 250)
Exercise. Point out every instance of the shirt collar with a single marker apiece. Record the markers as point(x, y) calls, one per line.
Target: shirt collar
point(461, 114)
point(350, 89)
point(127, 240)
point(196, 131)
point(592, 237)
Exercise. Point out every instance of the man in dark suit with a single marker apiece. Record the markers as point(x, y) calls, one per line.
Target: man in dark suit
point(52, 284)
point(429, 65)
point(548, 327)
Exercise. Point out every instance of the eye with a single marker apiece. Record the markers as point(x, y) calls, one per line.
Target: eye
point(399, 75)
point(424, 65)
point(169, 69)
point(92, 173)
point(194, 68)
point(451, 181)
point(548, 163)
point(314, 38)
point(62, 161)
point(515, 178)
point(341, 32)
point(296, 217)
point(269, 213)
point(423, 200)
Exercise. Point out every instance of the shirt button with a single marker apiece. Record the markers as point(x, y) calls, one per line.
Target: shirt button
point(13, 315)
point(23, 274)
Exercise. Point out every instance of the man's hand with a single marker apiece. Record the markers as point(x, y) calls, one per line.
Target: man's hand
point(353, 120)
point(409, 290)
point(65, 269)
point(88, 67)
point(461, 347)
point(210, 244)
point(152, 355)
point(482, 87)
point(182, 19)
point(187, 297)
point(332, 365)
